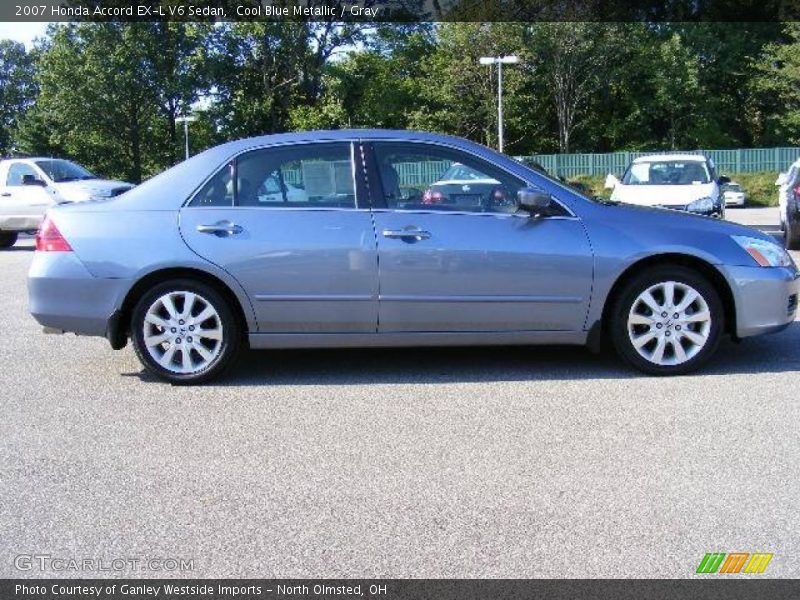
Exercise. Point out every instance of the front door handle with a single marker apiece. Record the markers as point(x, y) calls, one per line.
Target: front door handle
point(5, 194)
point(221, 228)
point(407, 234)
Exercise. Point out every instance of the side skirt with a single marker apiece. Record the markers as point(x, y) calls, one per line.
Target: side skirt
point(405, 339)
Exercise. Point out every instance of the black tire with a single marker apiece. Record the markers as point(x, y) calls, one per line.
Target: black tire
point(229, 344)
point(8, 238)
point(624, 303)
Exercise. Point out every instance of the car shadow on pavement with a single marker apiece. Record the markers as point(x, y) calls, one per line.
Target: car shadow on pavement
point(768, 354)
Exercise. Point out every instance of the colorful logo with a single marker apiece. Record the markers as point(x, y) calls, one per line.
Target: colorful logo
point(734, 562)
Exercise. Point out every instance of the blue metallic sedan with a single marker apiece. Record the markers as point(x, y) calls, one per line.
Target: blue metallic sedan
point(332, 239)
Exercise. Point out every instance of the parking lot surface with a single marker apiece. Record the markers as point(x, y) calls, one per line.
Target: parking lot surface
point(499, 462)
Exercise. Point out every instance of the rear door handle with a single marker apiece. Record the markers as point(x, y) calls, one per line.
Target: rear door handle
point(5, 194)
point(407, 233)
point(221, 228)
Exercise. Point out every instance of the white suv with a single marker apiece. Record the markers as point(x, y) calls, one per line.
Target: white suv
point(29, 186)
point(686, 182)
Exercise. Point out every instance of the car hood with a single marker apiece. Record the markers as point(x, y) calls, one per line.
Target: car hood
point(652, 223)
point(86, 189)
point(661, 195)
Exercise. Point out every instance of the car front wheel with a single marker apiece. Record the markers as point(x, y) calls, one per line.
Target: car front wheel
point(667, 321)
point(8, 238)
point(185, 332)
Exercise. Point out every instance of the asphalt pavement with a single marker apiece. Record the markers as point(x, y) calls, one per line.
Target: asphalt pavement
point(471, 463)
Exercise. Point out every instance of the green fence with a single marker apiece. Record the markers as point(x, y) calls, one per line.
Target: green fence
point(740, 160)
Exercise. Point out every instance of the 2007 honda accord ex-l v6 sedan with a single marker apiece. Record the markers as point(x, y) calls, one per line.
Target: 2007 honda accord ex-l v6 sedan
point(337, 239)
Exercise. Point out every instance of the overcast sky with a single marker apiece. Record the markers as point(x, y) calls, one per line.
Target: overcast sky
point(22, 32)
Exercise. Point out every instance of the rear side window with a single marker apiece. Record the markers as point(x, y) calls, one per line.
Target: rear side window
point(219, 189)
point(302, 176)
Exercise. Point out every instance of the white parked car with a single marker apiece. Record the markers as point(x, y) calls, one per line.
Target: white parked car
point(733, 194)
point(685, 182)
point(785, 182)
point(29, 186)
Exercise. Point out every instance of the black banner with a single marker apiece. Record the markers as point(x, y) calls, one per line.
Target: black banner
point(396, 589)
point(400, 10)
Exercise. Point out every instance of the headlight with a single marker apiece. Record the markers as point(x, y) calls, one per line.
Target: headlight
point(702, 205)
point(766, 254)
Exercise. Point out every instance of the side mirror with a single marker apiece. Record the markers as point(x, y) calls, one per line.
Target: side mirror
point(722, 180)
point(32, 180)
point(781, 179)
point(533, 201)
point(611, 182)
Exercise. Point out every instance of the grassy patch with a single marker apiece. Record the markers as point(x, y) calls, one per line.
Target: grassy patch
point(759, 187)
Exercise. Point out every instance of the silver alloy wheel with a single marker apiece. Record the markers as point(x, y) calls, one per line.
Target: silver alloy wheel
point(183, 332)
point(669, 323)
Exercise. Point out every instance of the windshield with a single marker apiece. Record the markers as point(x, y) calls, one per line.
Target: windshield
point(733, 188)
point(460, 172)
point(63, 170)
point(667, 172)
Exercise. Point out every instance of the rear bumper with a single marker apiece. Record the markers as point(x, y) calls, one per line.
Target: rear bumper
point(765, 298)
point(63, 295)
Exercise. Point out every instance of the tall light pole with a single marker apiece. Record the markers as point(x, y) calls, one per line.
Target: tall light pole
point(185, 119)
point(499, 61)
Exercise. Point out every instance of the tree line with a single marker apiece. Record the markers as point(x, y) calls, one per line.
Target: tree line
point(108, 94)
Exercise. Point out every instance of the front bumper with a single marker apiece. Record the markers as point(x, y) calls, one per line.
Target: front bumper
point(64, 296)
point(765, 298)
point(734, 201)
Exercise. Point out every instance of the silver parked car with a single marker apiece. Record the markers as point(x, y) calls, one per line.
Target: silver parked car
point(326, 239)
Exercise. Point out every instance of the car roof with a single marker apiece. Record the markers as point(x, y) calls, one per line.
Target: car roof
point(678, 156)
point(332, 135)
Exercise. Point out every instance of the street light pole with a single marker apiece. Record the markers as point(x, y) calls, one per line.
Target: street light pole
point(185, 119)
point(499, 61)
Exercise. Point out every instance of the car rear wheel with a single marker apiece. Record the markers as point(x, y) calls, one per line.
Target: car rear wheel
point(8, 238)
point(667, 321)
point(185, 332)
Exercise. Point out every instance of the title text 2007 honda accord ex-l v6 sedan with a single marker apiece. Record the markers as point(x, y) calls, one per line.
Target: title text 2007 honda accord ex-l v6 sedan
point(335, 238)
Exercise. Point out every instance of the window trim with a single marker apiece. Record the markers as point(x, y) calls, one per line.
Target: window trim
point(359, 184)
point(379, 204)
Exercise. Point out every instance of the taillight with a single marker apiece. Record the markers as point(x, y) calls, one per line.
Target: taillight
point(49, 238)
point(797, 191)
point(431, 196)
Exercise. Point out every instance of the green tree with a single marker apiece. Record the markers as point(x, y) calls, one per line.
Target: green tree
point(776, 104)
point(17, 90)
point(677, 90)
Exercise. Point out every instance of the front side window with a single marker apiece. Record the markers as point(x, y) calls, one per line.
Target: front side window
point(667, 172)
point(426, 177)
point(16, 173)
point(302, 176)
